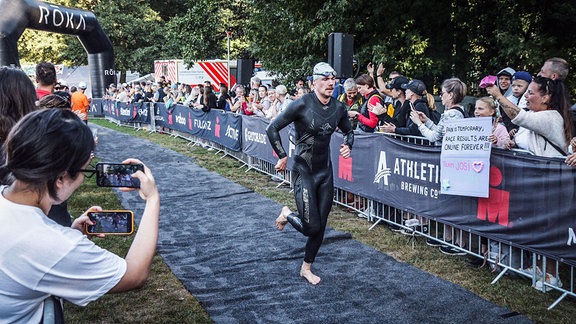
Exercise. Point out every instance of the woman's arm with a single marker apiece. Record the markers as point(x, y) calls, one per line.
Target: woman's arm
point(509, 108)
point(143, 248)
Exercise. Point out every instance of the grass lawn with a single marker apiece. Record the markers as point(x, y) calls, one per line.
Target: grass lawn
point(165, 300)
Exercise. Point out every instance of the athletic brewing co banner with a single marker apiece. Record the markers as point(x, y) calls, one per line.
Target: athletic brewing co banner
point(530, 203)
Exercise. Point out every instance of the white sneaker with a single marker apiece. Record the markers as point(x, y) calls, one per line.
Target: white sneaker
point(551, 280)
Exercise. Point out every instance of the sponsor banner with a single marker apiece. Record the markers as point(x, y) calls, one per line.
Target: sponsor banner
point(160, 115)
point(140, 112)
point(255, 140)
point(227, 129)
point(215, 125)
point(126, 112)
point(108, 108)
point(530, 201)
point(96, 108)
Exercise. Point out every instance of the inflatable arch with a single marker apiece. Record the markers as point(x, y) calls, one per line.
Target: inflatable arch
point(17, 15)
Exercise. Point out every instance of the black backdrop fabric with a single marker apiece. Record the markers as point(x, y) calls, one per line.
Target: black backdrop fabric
point(219, 239)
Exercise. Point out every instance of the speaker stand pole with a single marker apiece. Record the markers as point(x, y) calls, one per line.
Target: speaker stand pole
point(228, 62)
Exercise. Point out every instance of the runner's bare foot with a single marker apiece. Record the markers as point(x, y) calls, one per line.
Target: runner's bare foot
point(282, 220)
point(306, 272)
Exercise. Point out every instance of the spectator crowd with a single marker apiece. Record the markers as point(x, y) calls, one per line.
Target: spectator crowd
point(529, 111)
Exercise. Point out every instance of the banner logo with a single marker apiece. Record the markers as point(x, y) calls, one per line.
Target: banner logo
point(494, 209)
point(60, 17)
point(383, 170)
point(217, 127)
point(180, 120)
point(345, 168)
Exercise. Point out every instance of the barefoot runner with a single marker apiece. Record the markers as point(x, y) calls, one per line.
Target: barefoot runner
point(315, 116)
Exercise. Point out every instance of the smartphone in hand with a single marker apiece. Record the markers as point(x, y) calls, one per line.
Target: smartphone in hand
point(117, 175)
point(111, 222)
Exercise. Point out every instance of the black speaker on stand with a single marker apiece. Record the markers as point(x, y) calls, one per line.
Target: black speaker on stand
point(244, 71)
point(340, 54)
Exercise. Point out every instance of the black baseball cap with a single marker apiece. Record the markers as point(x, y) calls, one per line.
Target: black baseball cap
point(397, 82)
point(416, 86)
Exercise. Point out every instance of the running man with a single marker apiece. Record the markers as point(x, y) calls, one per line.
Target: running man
point(315, 116)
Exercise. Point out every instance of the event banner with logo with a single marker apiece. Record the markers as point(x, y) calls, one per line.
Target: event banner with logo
point(126, 112)
point(530, 199)
point(215, 125)
point(530, 203)
point(255, 141)
point(95, 108)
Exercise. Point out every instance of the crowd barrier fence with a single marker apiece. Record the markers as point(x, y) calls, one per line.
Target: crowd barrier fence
point(533, 232)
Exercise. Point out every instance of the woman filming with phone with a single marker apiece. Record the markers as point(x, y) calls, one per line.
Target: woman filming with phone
point(46, 154)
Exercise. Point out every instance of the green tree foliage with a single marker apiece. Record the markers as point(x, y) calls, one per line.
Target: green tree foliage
point(198, 34)
point(428, 40)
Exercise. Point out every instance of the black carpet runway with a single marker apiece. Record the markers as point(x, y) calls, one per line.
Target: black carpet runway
point(219, 239)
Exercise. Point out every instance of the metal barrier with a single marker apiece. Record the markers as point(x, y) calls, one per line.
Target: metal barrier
point(504, 258)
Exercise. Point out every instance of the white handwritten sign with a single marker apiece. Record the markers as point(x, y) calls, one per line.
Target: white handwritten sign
point(465, 158)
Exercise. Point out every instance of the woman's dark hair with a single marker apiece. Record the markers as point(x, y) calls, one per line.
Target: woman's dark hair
point(54, 101)
point(209, 99)
point(42, 146)
point(559, 100)
point(17, 98)
point(207, 94)
point(365, 79)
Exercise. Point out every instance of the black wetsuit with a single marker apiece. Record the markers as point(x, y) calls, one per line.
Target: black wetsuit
point(314, 124)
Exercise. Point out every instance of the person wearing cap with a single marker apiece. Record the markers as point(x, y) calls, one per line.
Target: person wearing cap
point(80, 102)
point(415, 91)
point(352, 99)
point(504, 80)
point(315, 117)
point(400, 107)
point(520, 82)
